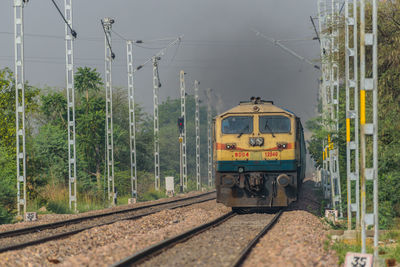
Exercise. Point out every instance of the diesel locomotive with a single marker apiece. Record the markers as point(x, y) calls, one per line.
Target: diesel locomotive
point(259, 156)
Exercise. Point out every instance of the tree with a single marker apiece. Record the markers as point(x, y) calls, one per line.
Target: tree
point(87, 79)
point(7, 107)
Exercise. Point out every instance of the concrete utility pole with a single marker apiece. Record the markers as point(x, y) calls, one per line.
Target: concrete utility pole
point(156, 87)
point(183, 134)
point(132, 121)
point(209, 138)
point(352, 143)
point(109, 56)
point(369, 85)
point(69, 58)
point(20, 104)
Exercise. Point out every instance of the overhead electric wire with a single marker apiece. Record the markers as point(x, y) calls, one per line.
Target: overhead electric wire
point(175, 53)
point(73, 32)
point(288, 50)
point(160, 53)
point(150, 48)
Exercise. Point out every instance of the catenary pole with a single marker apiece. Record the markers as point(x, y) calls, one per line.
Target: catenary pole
point(369, 129)
point(156, 88)
point(209, 138)
point(325, 81)
point(69, 58)
point(20, 105)
point(183, 115)
point(132, 120)
point(107, 24)
point(352, 148)
point(197, 124)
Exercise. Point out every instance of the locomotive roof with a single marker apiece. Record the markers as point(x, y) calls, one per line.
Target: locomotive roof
point(249, 107)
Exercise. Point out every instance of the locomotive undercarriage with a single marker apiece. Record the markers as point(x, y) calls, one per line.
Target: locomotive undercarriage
point(256, 189)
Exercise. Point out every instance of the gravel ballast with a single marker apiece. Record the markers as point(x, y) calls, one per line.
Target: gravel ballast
point(50, 218)
point(102, 246)
point(297, 239)
point(94, 222)
point(218, 246)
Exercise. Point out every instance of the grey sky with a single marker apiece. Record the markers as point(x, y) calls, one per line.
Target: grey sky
point(218, 48)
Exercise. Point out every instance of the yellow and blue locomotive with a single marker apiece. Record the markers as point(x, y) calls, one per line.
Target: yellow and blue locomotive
point(259, 154)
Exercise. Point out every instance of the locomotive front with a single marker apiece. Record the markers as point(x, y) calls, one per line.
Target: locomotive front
point(259, 156)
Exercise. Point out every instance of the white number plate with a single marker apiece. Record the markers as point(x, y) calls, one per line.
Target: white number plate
point(358, 260)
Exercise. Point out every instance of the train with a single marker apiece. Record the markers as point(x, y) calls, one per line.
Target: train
point(259, 156)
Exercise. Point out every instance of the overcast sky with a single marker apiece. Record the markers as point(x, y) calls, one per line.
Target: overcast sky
point(218, 47)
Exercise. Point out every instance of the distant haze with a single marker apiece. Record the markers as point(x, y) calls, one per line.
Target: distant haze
point(218, 48)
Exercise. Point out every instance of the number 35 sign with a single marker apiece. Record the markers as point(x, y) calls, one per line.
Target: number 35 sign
point(358, 260)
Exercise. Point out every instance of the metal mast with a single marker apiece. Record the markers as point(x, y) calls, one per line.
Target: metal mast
point(334, 153)
point(325, 66)
point(132, 121)
point(351, 63)
point(20, 104)
point(183, 114)
point(156, 87)
point(107, 24)
point(197, 124)
point(69, 58)
point(209, 137)
point(369, 84)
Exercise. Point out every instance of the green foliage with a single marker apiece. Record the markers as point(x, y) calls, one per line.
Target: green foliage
point(47, 146)
point(58, 207)
point(8, 190)
point(152, 195)
point(87, 80)
point(7, 107)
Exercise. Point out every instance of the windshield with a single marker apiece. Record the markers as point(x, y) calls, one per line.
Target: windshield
point(237, 125)
point(274, 124)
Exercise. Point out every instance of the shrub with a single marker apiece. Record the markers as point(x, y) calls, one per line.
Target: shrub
point(5, 216)
point(152, 195)
point(58, 207)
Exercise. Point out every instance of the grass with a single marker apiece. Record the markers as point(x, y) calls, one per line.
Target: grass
point(389, 250)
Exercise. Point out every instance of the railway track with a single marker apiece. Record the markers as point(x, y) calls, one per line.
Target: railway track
point(212, 244)
point(20, 238)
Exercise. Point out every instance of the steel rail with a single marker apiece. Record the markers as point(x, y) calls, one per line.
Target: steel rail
point(159, 247)
point(246, 251)
point(65, 234)
point(38, 228)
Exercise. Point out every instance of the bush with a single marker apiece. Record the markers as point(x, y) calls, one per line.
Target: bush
point(152, 195)
point(58, 207)
point(5, 216)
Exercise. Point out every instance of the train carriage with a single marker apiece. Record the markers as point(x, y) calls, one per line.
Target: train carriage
point(259, 155)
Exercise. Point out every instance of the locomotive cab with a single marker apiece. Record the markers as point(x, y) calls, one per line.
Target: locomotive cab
point(259, 155)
